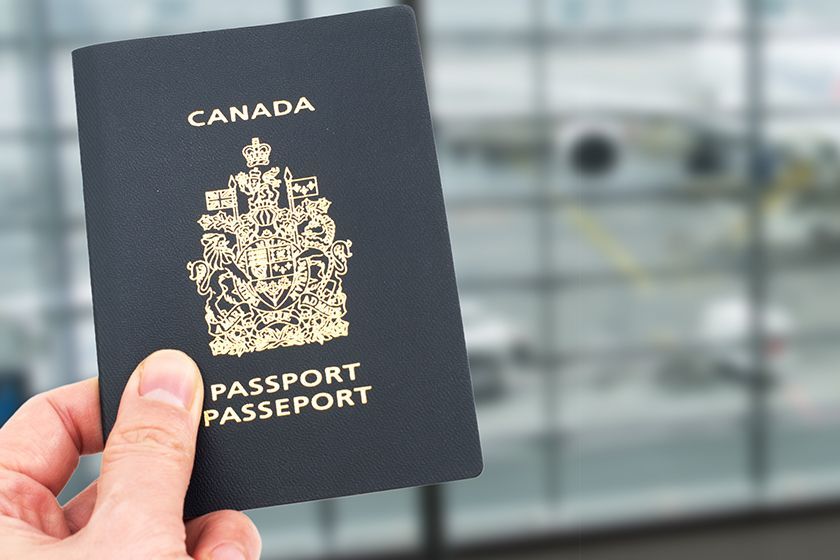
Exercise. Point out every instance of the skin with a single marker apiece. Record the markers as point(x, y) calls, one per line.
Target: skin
point(135, 508)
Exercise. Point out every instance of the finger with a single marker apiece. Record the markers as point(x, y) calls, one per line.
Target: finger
point(149, 454)
point(223, 535)
point(78, 510)
point(44, 439)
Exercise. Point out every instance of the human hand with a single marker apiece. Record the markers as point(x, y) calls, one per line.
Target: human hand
point(135, 508)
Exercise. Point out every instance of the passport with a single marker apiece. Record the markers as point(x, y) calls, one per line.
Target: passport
point(268, 200)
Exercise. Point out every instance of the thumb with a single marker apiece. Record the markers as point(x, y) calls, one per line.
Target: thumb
point(148, 458)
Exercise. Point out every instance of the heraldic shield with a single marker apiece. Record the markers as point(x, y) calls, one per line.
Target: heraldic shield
point(271, 275)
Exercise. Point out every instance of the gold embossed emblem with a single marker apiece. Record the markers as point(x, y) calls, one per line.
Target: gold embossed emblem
point(271, 275)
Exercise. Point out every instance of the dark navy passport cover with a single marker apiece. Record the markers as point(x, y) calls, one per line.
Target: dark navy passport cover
point(268, 200)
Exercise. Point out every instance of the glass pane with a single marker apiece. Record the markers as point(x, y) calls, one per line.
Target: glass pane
point(18, 197)
point(504, 339)
point(801, 296)
point(642, 14)
point(803, 355)
point(85, 343)
point(805, 439)
point(65, 98)
point(688, 80)
point(805, 156)
point(653, 436)
point(639, 239)
point(13, 115)
point(653, 312)
point(509, 497)
point(290, 531)
point(474, 16)
point(505, 346)
point(71, 179)
point(10, 17)
point(489, 243)
point(76, 246)
point(809, 16)
point(384, 520)
point(104, 20)
point(318, 8)
point(482, 162)
point(803, 73)
point(465, 84)
point(21, 280)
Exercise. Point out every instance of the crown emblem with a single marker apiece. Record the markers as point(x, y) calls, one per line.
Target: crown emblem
point(271, 275)
point(256, 153)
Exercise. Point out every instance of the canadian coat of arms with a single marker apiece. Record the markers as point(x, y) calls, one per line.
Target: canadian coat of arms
point(272, 276)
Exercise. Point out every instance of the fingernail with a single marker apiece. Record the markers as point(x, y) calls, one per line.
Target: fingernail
point(227, 551)
point(168, 376)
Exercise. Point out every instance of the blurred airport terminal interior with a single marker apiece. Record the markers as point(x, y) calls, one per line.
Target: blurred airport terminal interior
point(644, 204)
